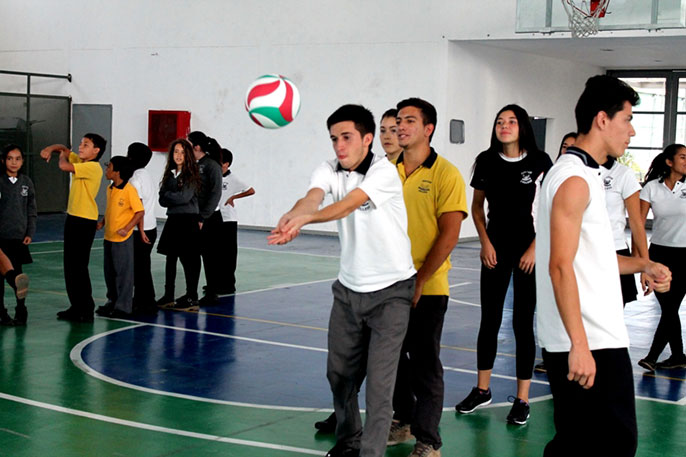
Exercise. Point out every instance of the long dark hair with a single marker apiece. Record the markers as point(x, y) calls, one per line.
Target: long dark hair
point(527, 141)
point(659, 168)
point(564, 138)
point(189, 169)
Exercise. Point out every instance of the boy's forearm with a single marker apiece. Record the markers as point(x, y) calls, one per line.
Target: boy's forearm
point(138, 217)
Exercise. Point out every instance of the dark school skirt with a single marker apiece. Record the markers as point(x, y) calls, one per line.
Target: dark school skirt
point(180, 235)
point(17, 251)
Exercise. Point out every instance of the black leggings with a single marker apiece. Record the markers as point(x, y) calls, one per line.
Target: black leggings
point(669, 328)
point(191, 270)
point(494, 283)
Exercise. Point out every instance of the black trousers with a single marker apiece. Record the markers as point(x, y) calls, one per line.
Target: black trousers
point(210, 239)
point(228, 246)
point(669, 328)
point(419, 388)
point(143, 285)
point(494, 283)
point(600, 421)
point(78, 240)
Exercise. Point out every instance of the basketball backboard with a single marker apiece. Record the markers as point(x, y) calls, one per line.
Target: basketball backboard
point(548, 16)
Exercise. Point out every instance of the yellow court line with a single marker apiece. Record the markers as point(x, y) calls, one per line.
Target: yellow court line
point(670, 378)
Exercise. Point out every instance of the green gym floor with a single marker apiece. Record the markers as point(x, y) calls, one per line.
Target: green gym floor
point(247, 377)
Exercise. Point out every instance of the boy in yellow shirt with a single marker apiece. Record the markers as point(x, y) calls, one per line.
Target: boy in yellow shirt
point(82, 217)
point(124, 211)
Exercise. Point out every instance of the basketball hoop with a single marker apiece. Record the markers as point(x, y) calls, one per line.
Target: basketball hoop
point(583, 16)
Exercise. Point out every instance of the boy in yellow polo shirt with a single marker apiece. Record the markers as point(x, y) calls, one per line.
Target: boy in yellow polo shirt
point(82, 217)
point(124, 211)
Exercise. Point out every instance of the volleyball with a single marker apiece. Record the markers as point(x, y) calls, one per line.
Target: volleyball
point(272, 101)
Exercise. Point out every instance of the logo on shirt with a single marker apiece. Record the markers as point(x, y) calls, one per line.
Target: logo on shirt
point(24, 191)
point(366, 206)
point(682, 193)
point(225, 185)
point(425, 186)
point(526, 177)
point(607, 182)
point(121, 202)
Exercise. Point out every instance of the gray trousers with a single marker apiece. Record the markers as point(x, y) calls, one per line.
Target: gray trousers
point(366, 332)
point(119, 273)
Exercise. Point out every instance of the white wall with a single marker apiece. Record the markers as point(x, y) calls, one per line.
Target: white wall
point(201, 55)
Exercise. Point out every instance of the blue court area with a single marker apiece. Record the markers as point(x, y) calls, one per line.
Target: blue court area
point(268, 347)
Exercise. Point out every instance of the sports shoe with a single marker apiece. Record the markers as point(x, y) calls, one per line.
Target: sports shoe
point(21, 282)
point(540, 368)
point(343, 450)
point(5, 319)
point(519, 412)
point(424, 450)
point(673, 361)
point(328, 425)
point(476, 399)
point(209, 299)
point(648, 364)
point(399, 433)
point(165, 302)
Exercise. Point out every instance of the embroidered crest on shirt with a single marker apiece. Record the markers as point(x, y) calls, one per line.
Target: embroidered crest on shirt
point(607, 182)
point(425, 186)
point(682, 193)
point(526, 177)
point(24, 191)
point(366, 206)
point(121, 202)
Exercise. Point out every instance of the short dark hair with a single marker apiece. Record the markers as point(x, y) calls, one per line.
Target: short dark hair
point(390, 113)
point(602, 93)
point(124, 166)
point(139, 154)
point(357, 114)
point(98, 142)
point(198, 138)
point(227, 156)
point(6, 150)
point(428, 111)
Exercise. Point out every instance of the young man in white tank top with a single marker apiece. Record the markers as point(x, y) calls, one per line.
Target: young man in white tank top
point(579, 319)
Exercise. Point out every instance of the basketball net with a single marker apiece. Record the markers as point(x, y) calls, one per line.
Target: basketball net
point(583, 16)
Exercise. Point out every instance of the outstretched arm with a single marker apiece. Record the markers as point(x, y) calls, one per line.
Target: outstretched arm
point(306, 212)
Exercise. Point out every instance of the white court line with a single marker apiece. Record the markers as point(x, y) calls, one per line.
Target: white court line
point(157, 428)
point(291, 252)
point(77, 359)
point(284, 286)
point(459, 284)
point(465, 268)
point(464, 302)
point(97, 248)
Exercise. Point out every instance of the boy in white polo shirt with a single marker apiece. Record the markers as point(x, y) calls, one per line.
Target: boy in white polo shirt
point(375, 286)
point(580, 314)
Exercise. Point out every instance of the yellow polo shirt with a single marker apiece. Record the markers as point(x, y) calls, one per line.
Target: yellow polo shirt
point(434, 188)
point(122, 204)
point(85, 184)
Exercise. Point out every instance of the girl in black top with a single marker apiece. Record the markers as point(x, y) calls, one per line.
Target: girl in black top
point(181, 233)
point(507, 175)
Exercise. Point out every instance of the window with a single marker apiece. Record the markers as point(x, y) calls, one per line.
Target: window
point(660, 118)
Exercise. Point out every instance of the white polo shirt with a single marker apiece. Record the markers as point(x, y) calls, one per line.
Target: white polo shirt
point(620, 183)
point(375, 247)
point(147, 191)
point(669, 211)
point(231, 185)
point(595, 264)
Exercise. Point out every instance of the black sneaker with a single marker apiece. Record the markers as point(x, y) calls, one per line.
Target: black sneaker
point(209, 299)
point(184, 303)
point(648, 364)
point(5, 319)
point(519, 412)
point(328, 425)
point(165, 302)
point(343, 450)
point(540, 368)
point(476, 399)
point(673, 361)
